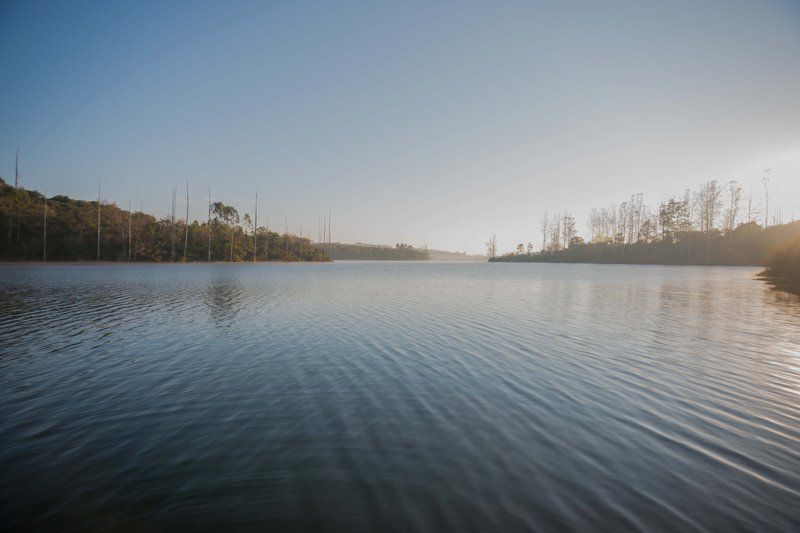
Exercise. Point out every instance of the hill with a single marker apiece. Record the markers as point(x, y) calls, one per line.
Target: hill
point(80, 230)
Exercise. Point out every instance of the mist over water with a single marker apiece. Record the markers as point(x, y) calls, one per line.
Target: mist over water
point(398, 396)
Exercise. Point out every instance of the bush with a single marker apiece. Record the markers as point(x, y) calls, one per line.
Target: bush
point(783, 265)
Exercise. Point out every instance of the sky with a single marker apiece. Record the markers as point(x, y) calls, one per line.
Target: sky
point(429, 123)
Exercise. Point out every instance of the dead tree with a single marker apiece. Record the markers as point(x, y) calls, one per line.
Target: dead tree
point(98, 221)
point(16, 193)
point(130, 230)
point(255, 231)
point(186, 233)
point(491, 246)
point(266, 244)
point(209, 224)
point(44, 231)
point(172, 253)
point(765, 182)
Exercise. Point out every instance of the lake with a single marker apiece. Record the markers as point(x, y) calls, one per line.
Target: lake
point(398, 396)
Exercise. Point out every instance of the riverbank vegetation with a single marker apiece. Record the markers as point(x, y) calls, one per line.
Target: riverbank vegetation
point(783, 266)
point(60, 228)
point(442, 255)
point(375, 252)
point(709, 226)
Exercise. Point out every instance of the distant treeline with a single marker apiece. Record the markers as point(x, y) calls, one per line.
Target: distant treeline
point(710, 226)
point(748, 244)
point(72, 233)
point(441, 255)
point(783, 266)
point(372, 252)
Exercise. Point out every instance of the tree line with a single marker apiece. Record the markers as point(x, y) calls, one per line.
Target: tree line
point(710, 225)
point(34, 227)
point(400, 252)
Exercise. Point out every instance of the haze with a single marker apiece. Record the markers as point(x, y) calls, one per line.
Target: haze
point(419, 123)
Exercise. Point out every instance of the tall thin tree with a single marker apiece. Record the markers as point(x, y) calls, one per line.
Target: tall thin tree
point(98, 220)
point(122, 238)
point(16, 195)
point(266, 243)
point(139, 232)
point(544, 225)
point(44, 231)
point(255, 232)
point(186, 233)
point(765, 182)
point(130, 231)
point(233, 237)
point(172, 219)
point(209, 223)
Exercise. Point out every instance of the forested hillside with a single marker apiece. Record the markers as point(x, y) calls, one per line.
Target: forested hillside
point(70, 230)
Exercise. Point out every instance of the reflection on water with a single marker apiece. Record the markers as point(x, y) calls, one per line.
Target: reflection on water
point(222, 296)
point(398, 396)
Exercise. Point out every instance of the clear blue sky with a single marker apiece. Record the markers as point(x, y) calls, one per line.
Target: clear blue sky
point(430, 123)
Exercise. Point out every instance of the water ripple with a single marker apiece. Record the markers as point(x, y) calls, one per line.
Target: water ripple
point(398, 396)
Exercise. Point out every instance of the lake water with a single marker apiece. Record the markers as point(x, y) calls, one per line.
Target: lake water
point(398, 396)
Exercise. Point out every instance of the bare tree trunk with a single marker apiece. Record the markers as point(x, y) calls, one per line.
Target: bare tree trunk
point(186, 233)
point(255, 231)
point(44, 231)
point(491, 246)
point(16, 194)
point(139, 241)
point(172, 253)
point(765, 181)
point(209, 224)
point(266, 244)
point(130, 231)
point(98, 222)
point(544, 225)
point(122, 238)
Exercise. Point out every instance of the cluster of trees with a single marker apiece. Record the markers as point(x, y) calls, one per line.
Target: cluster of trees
point(400, 252)
point(783, 266)
point(710, 225)
point(712, 207)
point(33, 227)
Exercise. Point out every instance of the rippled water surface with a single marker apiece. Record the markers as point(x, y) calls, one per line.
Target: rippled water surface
point(398, 396)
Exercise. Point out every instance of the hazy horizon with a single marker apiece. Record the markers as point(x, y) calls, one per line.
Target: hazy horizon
point(431, 125)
